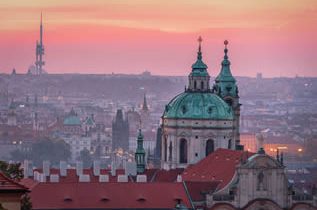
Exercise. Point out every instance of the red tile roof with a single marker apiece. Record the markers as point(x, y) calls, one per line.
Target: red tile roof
point(218, 166)
point(197, 190)
point(108, 195)
point(167, 176)
point(8, 185)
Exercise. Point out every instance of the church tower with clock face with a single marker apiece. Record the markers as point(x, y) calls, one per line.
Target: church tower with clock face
point(198, 121)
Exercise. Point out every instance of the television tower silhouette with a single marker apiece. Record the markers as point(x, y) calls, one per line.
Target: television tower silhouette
point(39, 63)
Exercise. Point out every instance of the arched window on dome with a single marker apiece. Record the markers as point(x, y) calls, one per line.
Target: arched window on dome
point(183, 151)
point(195, 84)
point(210, 146)
point(202, 85)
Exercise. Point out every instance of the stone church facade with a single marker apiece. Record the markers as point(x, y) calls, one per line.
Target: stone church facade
point(201, 119)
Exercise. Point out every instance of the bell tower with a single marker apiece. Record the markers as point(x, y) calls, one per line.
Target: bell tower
point(226, 88)
point(140, 154)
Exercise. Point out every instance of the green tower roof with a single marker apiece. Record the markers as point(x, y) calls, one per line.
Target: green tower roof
point(225, 73)
point(72, 118)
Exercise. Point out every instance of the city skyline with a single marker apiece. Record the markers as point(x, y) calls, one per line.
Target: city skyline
point(277, 39)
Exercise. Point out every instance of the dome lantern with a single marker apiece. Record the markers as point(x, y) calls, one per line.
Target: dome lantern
point(199, 77)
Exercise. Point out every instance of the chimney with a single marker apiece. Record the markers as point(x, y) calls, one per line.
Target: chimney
point(79, 168)
point(122, 178)
point(26, 169)
point(42, 177)
point(104, 178)
point(179, 178)
point(84, 178)
point(259, 141)
point(36, 176)
point(63, 168)
point(141, 178)
point(46, 168)
point(54, 178)
point(113, 169)
point(96, 167)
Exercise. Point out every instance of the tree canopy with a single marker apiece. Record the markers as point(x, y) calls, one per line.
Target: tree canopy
point(47, 149)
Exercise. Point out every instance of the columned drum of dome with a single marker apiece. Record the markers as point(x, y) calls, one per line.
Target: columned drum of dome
point(196, 122)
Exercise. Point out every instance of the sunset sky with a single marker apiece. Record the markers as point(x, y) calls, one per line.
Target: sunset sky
point(275, 37)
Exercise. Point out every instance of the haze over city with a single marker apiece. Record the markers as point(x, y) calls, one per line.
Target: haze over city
point(277, 38)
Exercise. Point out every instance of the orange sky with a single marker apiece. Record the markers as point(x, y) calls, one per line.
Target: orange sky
point(277, 38)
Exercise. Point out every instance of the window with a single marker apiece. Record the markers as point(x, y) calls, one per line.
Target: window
point(229, 144)
point(165, 148)
point(210, 147)
point(183, 151)
point(170, 149)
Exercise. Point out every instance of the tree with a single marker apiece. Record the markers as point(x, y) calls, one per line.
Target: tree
point(26, 202)
point(11, 170)
point(53, 150)
point(86, 158)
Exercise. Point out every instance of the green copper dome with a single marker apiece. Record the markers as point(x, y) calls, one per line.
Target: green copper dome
point(198, 105)
point(72, 118)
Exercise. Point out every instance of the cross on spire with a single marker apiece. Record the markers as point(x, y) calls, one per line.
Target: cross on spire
point(226, 50)
point(199, 41)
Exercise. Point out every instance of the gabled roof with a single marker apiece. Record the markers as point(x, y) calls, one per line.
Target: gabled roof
point(108, 196)
point(8, 185)
point(217, 166)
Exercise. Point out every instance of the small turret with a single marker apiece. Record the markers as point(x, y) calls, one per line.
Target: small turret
point(225, 83)
point(199, 77)
point(140, 154)
point(144, 106)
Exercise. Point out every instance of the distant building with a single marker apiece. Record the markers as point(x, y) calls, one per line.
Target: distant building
point(120, 132)
point(72, 124)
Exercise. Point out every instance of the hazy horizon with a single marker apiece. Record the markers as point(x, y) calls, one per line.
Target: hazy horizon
point(277, 39)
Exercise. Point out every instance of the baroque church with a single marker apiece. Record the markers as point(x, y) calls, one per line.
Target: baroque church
point(203, 118)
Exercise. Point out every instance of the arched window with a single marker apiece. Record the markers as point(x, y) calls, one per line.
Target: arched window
point(210, 147)
point(195, 85)
point(170, 148)
point(229, 144)
point(165, 148)
point(183, 151)
point(202, 85)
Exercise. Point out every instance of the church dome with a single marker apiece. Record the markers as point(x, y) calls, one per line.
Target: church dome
point(198, 105)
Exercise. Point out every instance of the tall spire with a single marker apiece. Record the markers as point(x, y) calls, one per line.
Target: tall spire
point(199, 56)
point(225, 73)
point(145, 107)
point(140, 154)
point(39, 63)
point(41, 30)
